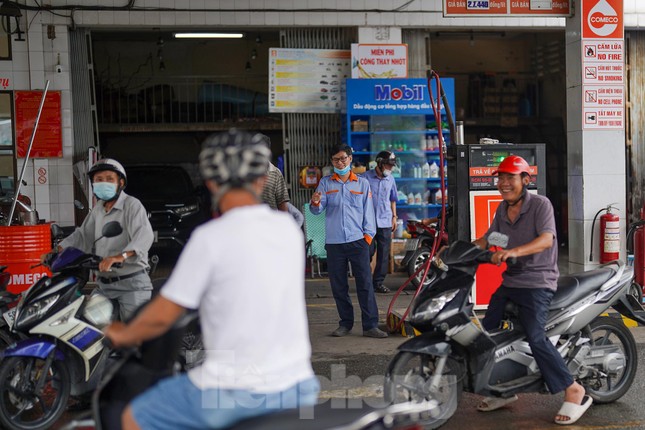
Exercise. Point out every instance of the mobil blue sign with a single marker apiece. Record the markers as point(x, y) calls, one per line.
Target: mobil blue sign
point(389, 96)
point(399, 92)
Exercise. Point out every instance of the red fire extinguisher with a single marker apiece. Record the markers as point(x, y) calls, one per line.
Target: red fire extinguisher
point(609, 235)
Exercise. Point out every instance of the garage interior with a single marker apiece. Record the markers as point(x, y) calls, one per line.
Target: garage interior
point(157, 100)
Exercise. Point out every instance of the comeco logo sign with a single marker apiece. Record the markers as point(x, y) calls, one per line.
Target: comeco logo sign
point(603, 19)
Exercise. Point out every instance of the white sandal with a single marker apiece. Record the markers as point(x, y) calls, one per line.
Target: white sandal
point(573, 411)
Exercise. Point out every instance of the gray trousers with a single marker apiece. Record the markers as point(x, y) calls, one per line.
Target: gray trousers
point(129, 294)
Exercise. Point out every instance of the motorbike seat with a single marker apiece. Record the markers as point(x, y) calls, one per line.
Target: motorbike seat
point(574, 287)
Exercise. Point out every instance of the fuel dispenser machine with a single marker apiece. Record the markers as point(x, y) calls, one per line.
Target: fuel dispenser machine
point(474, 198)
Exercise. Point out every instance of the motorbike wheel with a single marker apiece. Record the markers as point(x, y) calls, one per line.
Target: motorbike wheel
point(21, 407)
point(418, 259)
point(408, 380)
point(609, 388)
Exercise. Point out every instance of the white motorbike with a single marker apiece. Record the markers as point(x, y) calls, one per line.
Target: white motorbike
point(63, 354)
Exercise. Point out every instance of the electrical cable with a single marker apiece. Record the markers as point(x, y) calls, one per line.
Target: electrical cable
point(439, 232)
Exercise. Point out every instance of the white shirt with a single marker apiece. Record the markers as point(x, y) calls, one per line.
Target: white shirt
point(245, 273)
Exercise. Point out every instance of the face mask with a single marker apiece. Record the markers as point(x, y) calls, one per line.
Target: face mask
point(342, 172)
point(105, 191)
point(387, 172)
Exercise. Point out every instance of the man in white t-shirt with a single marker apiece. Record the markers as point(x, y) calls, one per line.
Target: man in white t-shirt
point(248, 286)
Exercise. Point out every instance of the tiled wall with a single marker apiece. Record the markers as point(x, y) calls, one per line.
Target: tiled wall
point(33, 63)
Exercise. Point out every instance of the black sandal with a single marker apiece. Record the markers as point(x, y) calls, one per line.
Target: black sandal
point(382, 289)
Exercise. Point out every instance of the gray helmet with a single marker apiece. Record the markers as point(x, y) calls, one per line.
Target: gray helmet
point(107, 164)
point(234, 158)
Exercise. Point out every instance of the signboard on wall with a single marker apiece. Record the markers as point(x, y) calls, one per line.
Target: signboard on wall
point(553, 8)
point(376, 61)
point(392, 96)
point(307, 80)
point(48, 142)
point(603, 64)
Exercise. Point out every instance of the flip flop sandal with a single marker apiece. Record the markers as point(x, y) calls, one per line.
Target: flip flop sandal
point(493, 403)
point(574, 411)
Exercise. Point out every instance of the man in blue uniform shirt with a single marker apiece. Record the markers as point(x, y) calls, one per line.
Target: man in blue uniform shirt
point(384, 195)
point(350, 227)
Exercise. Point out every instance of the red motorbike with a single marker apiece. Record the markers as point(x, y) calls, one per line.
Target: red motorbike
point(418, 248)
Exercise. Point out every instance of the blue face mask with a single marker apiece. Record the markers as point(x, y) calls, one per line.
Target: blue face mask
point(105, 191)
point(342, 172)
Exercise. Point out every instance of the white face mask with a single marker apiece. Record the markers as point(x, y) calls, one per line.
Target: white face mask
point(387, 172)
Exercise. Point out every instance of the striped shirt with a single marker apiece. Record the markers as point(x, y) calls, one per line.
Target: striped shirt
point(275, 189)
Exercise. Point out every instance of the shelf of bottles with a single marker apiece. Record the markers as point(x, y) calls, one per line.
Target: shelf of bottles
point(396, 115)
point(415, 141)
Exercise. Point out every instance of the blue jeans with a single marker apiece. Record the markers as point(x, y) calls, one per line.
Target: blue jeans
point(176, 403)
point(533, 304)
point(338, 257)
point(381, 246)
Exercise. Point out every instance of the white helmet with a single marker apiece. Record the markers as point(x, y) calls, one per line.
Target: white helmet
point(107, 164)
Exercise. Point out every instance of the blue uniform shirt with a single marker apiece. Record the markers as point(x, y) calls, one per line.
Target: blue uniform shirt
point(350, 212)
point(383, 194)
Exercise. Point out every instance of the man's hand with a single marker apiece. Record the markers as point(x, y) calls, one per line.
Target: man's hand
point(44, 258)
point(502, 255)
point(394, 219)
point(315, 199)
point(116, 333)
point(106, 264)
point(48, 257)
point(154, 320)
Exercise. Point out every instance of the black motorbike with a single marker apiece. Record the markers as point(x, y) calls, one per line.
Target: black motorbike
point(455, 353)
point(142, 367)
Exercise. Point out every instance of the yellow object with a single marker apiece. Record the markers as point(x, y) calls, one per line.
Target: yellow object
point(406, 235)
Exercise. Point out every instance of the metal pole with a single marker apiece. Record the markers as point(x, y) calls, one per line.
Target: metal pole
point(31, 143)
point(460, 133)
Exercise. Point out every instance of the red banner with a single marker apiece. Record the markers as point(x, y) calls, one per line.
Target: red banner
point(48, 142)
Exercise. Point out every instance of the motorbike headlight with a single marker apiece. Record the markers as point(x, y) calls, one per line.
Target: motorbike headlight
point(186, 210)
point(431, 308)
point(34, 310)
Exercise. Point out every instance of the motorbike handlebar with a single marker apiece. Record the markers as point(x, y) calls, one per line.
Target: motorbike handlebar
point(107, 342)
point(488, 255)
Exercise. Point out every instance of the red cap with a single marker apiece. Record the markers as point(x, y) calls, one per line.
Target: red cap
point(514, 165)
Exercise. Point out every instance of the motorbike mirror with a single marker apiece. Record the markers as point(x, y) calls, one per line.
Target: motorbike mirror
point(112, 229)
point(498, 239)
point(57, 231)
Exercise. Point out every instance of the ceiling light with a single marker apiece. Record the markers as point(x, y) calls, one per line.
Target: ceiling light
point(209, 35)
